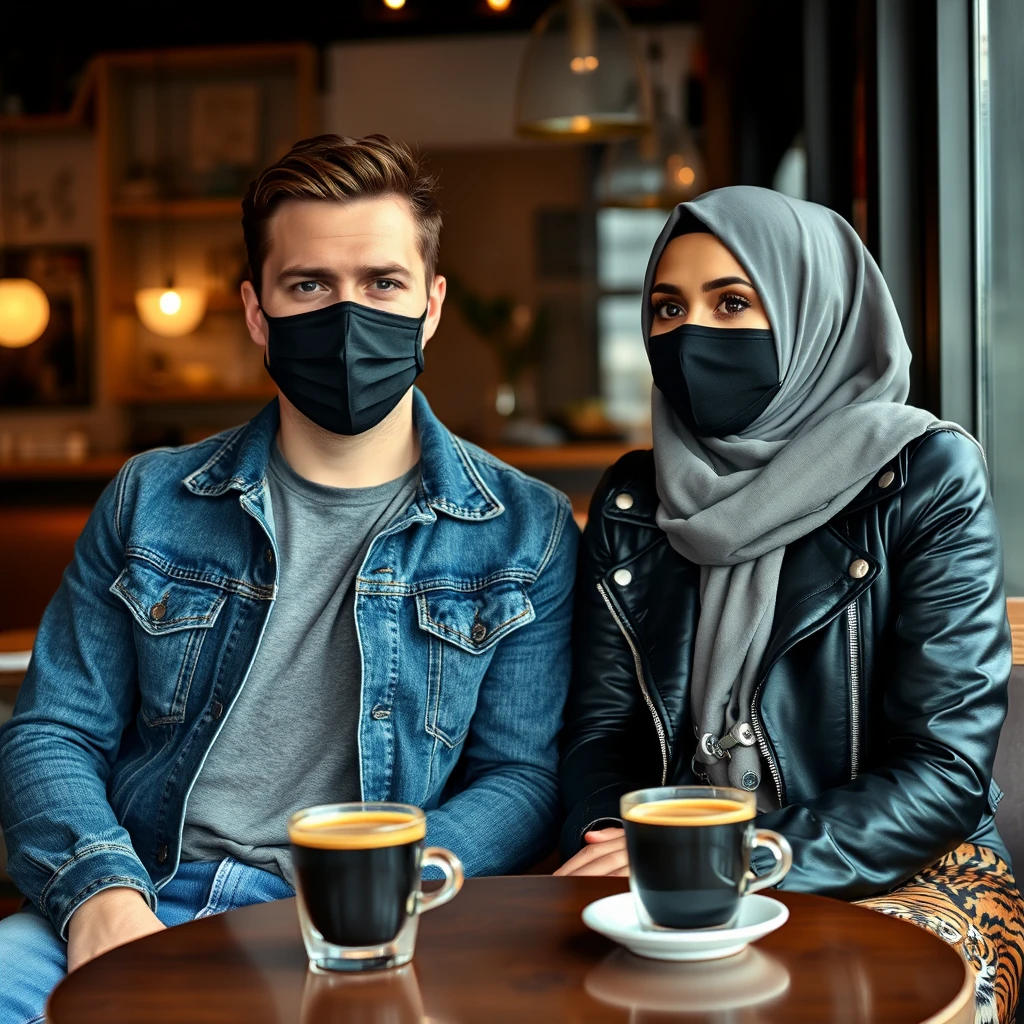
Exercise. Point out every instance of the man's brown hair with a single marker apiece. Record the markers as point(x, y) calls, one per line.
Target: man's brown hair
point(336, 168)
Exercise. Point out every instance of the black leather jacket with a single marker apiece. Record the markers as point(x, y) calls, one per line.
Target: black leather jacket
point(881, 693)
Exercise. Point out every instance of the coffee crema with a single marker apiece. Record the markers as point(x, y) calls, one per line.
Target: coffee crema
point(358, 830)
point(697, 811)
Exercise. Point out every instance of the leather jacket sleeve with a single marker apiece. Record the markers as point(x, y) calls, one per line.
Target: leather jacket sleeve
point(607, 730)
point(944, 702)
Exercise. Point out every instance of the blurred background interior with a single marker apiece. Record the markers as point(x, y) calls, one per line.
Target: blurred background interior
point(561, 135)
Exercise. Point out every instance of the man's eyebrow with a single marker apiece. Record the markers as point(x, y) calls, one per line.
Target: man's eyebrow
point(721, 282)
point(308, 273)
point(387, 270)
point(668, 289)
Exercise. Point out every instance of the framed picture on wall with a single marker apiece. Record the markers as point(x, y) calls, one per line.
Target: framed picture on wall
point(56, 368)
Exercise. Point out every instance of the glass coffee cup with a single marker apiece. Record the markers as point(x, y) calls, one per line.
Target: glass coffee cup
point(689, 854)
point(357, 877)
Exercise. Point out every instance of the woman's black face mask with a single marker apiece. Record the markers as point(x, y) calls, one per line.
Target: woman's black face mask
point(345, 366)
point(717, 379)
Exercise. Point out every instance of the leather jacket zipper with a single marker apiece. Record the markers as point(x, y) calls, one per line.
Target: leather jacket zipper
point(658, 726)
point(853, 644)
point(762, 742)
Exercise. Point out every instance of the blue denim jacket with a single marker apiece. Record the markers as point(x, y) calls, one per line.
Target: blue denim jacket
point(463, 610)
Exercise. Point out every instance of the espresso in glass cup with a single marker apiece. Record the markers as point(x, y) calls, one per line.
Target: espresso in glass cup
point(689, 854)
point(357, 877)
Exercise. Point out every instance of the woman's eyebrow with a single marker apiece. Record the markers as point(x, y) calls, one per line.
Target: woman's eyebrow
point(668, 289)
point(721, 282)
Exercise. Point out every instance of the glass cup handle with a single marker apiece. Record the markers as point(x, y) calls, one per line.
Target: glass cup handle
point(781, 851)
point(451, 866)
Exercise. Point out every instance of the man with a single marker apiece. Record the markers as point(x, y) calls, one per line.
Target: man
point(339, 600)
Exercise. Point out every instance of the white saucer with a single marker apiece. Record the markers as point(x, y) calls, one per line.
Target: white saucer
point(615, 916)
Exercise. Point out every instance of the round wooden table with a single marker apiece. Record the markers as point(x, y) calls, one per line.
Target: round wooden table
point(515, 949)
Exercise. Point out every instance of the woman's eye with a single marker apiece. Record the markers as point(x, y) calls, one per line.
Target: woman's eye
point(669, 311)
point(733, 305)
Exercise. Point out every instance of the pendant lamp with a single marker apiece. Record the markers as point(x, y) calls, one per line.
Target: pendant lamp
point(24, 307)
point(171, 311)
point(658, 169)
point(581, 76)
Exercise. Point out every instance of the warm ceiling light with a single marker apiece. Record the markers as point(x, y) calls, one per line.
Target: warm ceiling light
point(170, 312)
point(581, 75)
point(395, 5)
point(24, 312)
point(685, 176)
point(498, 5)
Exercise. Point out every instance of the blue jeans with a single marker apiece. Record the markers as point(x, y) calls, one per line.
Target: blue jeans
point(33, 958)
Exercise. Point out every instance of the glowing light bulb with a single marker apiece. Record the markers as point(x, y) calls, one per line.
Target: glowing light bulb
point(581, 65)
point(394, 5)
point(685, 176)
point(24, 312)
point(498, 5)
point(170, 302)
point(580, 123)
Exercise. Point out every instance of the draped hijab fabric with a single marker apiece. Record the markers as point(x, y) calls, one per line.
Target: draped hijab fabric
point(732, 504)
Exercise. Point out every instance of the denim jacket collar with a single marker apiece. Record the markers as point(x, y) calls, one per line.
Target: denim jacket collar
point(449, 483)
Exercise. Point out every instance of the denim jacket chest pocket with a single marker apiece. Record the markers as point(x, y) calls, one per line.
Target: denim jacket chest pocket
point(465, 627)
point(172, 617)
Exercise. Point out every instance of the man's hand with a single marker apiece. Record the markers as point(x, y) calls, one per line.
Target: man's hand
point(604, 854)
point(110, 918)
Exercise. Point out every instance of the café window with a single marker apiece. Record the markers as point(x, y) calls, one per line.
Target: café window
point(625, 238)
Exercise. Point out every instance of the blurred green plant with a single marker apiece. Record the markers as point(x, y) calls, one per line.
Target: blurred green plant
point(517, 334)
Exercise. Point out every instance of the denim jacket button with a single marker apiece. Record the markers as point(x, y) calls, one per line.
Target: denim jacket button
point(161, 854)
point(158, 611)
point(216, 710)
point(379, 714)
point(478, 633)
point(269, 555)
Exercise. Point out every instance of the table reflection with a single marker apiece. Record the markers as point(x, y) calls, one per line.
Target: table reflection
point(654, 987)
point(375, 997)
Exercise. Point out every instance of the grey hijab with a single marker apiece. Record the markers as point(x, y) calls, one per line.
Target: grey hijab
point(731, 505)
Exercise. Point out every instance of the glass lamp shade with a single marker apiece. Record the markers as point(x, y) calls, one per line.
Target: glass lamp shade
point(660, 169)
point(24, 312)
point(581, 76)
point(171, 312)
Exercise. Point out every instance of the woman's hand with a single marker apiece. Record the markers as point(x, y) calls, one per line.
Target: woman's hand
point(604, 854)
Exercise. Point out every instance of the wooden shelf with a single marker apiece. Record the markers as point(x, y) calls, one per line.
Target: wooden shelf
point(203, 208)
point(95, 467)
point(582, 455)
point(180, 394)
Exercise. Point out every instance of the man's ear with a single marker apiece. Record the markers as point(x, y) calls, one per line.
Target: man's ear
point(435, 300)
point(254, 318)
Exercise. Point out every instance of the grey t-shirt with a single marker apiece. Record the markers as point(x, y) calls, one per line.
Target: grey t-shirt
point(290, 739)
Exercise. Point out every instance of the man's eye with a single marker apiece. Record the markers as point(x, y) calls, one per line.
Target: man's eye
point(307, 286)
point(385, 285)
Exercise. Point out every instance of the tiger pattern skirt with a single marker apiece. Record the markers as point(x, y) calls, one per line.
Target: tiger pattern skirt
point(969, 899)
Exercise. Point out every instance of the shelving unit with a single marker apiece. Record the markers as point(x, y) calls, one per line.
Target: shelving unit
point(164, 212)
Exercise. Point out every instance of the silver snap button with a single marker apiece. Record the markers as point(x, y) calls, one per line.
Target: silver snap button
point(623, 577)
point(478, 632)
point(886, 479)
point(378, 714)
point(623, 500)
point(158, 611)
point(859, 569)
point(750, 781)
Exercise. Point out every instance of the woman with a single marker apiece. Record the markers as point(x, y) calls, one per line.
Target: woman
point(799, 591)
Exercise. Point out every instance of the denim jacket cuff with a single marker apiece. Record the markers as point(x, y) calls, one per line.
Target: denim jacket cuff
point(96, 867)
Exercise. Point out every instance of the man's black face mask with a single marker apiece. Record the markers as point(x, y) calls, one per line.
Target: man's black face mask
point(717, 379)
point(345, 366)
